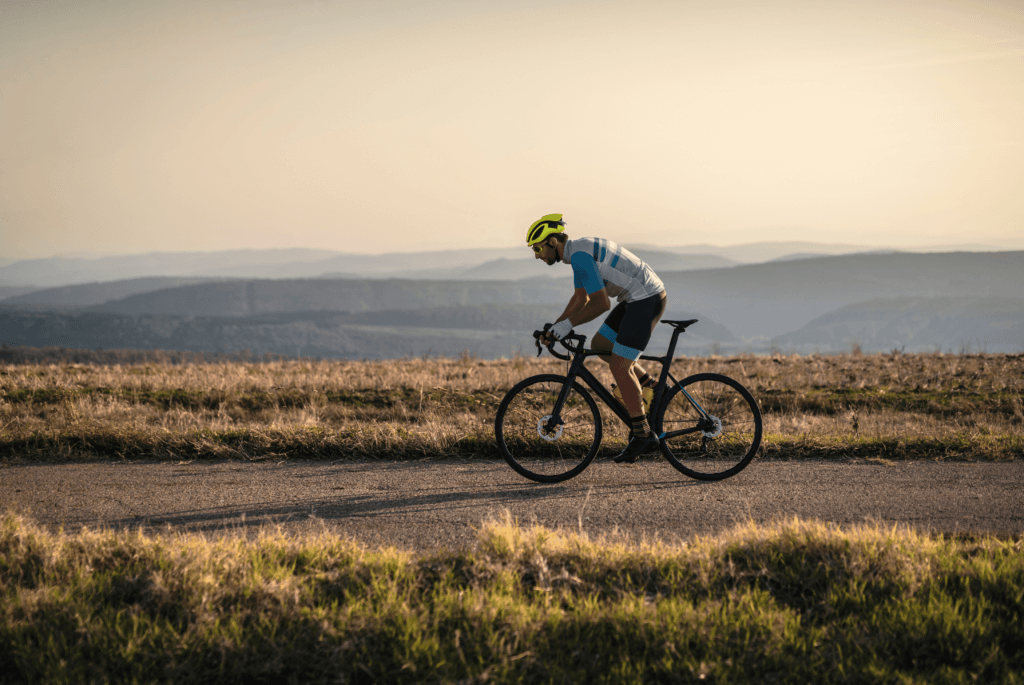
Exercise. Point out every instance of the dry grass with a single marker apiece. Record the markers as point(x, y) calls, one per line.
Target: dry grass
point(894, 406)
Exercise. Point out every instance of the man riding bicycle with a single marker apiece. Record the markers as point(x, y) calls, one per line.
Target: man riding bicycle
point(602, 269)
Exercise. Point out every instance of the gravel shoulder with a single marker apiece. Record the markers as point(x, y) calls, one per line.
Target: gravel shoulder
point(430, 505)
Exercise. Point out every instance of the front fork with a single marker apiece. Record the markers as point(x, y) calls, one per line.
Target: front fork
point(555, 420)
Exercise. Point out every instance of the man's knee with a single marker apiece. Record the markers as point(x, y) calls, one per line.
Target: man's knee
point(603, 344)
point(619, 363)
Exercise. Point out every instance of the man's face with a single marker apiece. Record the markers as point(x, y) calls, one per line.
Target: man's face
point(546, 252)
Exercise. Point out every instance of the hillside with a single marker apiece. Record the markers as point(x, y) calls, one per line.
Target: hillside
point(989, 324)
point(772, 250)
point(756, 253)
point(316, 263)
point(487, 331)
point(57, 271)
point(473, 264)
point(756, 302)
point(89, 294)
point(245, 298)
point(523, 268)
point(501, 269)
point(768, 300)
point(514, 318)
point(8, 291)
point(664, 261)
point(280, 263)
point(753, 304)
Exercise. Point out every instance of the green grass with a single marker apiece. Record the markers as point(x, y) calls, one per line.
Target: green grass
point(945, 403)
point(961, 446)
point(790, 602)
point(397, 441)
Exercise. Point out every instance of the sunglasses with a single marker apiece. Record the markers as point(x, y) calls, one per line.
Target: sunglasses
point(539, 247)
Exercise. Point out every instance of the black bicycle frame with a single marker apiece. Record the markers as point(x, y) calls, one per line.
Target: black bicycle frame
point(578, 370)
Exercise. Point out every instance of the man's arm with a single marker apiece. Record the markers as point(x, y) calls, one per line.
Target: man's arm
point(576, 302)
point(591, 297)
point(583, 308)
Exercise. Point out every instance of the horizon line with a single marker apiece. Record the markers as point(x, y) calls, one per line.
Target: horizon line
point(996, 246)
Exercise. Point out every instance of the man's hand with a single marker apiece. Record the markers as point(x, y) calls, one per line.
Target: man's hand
point(556, 331)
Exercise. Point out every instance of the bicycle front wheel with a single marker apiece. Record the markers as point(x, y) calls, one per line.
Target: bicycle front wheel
point(710, 426)
point(543, 447)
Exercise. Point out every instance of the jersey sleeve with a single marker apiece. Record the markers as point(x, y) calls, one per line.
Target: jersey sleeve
point(584, 272)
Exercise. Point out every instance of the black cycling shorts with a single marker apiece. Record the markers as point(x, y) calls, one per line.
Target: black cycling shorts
point(630, 324)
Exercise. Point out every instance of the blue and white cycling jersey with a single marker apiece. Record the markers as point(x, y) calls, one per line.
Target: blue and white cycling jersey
point(598, 263)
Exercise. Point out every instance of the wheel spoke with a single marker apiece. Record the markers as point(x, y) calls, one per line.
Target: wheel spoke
point(737, 422)
point(539, 454)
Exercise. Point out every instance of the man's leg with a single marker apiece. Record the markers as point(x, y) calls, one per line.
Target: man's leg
point(641, 438)
point(636, 371)
point(604, 341)
point(603, 344)
point(645, 380)
point(629, 384)
point(634, 332)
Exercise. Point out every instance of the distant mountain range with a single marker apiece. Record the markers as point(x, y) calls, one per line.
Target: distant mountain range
point(487, 331)
point(764, 301)
point(977, 324)
point(250, 298)
point(922, 301)
point(755, 253)
point(252, 264)
point(58, 271)
point(518, 269)
point(514, 262)
point(7, 291)
point(86, 294)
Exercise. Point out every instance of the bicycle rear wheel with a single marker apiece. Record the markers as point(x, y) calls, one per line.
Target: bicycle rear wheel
point(717, 443)
point(541, 449)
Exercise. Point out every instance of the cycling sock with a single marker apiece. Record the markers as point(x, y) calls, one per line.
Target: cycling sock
point(640, 427)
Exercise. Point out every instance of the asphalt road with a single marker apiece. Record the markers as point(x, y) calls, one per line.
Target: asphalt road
point(437, 504)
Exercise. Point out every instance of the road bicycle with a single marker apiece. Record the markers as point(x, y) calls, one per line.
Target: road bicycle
point(549, 428)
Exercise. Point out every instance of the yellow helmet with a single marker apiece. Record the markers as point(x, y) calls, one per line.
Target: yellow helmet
point(543, 227)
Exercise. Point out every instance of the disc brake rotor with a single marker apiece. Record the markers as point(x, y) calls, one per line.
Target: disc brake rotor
point(544, 434)
point(712, 427)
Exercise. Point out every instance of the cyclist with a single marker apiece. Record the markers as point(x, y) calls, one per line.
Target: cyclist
point(603, 269)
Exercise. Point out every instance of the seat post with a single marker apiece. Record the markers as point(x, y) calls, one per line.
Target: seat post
point(672, 345)
point(678, 327)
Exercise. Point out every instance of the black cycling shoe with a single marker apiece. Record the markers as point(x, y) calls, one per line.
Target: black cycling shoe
point(637, 446)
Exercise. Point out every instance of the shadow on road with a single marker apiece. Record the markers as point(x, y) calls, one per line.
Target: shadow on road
point(450, 502)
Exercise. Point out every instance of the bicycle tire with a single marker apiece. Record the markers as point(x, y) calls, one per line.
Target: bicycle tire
point(712, 451)
point(535, 453)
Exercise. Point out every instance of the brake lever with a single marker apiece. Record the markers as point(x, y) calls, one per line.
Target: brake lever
point(537, 335)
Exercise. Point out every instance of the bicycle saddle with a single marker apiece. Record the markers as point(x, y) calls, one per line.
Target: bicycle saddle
point(681, 325)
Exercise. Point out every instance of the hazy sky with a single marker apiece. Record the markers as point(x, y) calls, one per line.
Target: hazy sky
point(380, 126)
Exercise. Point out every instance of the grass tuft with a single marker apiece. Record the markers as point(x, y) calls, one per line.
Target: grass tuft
point(792, 601)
